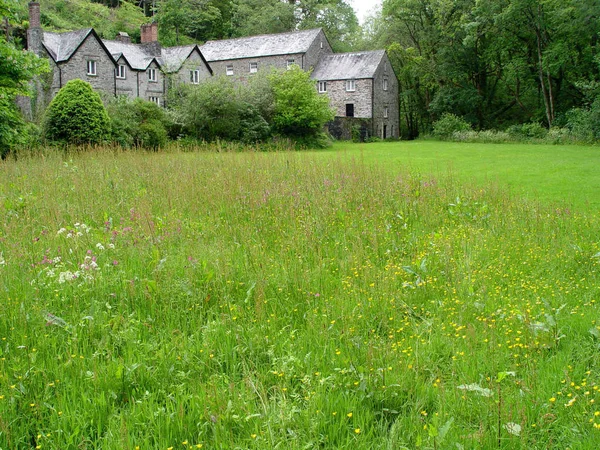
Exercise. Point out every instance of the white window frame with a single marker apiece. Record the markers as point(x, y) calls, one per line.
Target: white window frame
point(386, 112)
point(154, 100)
point(385, 84)
point(152, 76)
point(229, 69)
point(195, 76)
point(92, 68)
point(253, 67)
point(350, 85)
point(121, 71)
point(322, 87)
point(290, 63)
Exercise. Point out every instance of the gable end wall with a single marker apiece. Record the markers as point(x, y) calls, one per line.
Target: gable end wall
point(76, 67)
point(388, 98)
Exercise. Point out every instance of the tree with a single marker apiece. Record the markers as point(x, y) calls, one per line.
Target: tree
point(76, 115)
point(17, 69)
point(299, 110)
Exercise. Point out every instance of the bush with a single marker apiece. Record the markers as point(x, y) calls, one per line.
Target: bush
point(76, 115)
point(299, 110)
point(448, 125)
point(138, 123)
point(584, 124)
point(527, 131)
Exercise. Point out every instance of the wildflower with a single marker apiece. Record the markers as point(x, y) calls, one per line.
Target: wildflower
point(552, 399)
point(99, 246)
point(357, 430)
point(2, 260)
point(349, 415)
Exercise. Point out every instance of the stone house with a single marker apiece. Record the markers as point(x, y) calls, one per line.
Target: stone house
point(361, 86)
point(242, 57)
point(363, 90)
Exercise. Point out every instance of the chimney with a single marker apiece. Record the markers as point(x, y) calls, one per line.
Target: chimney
point(35, 33)
point(34, 15)
point(149, 39)
point(124, 37)
point(149, 33)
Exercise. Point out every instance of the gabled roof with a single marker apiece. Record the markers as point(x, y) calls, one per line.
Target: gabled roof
point(138, 56)
point(257, 46)
point(348, 66)
point(174, 57)
point(61, 46)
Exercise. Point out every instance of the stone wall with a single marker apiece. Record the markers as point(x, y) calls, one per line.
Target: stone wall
point(152, 88)
point(76, 67)
point(348, 128)
point(361, 98)
point(385, 98)
point(241, 67)
point(319, 47)
point(194, 62)
point(129, 85)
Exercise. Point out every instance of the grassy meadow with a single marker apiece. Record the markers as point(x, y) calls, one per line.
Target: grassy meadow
point(294, 301)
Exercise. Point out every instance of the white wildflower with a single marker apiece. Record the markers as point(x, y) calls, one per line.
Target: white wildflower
point(61, 231)
point(99, 246)
point(67, 276)
point(111, 246)
point(56, 260)
point(2, 260)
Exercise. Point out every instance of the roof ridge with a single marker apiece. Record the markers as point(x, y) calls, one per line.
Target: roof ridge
point(263, 35)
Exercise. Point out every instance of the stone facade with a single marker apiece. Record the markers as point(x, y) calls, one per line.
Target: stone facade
point(385, 101)
point(90, 51)
point(194, 62)
point(319, 47)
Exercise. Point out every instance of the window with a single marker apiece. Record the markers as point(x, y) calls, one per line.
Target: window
point(386, 112)
point(322, 86)
point(289, 63)
point(155, 100)
point(350, 85)
point(121, 71)
point(253, 67)
point(385, 84)
point(229, 69)
point(194, 76)
point(91, 68)
point(321, 44)
point(349, 109)
point(152, 75)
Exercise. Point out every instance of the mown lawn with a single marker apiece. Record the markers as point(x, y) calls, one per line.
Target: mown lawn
point(291, 300)
point(554, 174)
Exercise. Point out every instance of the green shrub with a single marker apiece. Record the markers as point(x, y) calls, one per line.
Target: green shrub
point(584, 124)
point(299, 109)
point(76, 115)
point(138, 123)
point(449, 124)
point(527, 131)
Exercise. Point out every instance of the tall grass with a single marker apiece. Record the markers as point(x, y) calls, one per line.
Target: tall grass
point(254, 300)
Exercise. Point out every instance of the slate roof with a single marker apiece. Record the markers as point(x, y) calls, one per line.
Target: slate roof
point(348, 66)
point(257, 46)
point(61, 46)
point(135, 54)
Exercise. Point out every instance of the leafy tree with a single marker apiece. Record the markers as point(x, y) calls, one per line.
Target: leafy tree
point(17, 69)
point(252, 17)
point(299, 111)
point(76, 115)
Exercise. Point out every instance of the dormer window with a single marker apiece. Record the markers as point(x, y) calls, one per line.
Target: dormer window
point(253, 67)
point(322, 86)
point(194, 76)
point(121, 71)
point(350, 85)
point(91, 68)
point(229, 70)
point(152, 75)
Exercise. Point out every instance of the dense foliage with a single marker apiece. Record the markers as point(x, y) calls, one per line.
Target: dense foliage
point(138, 123)
point(76, 115)
point(495, 63)
point(17, 69)
point(284, 103)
